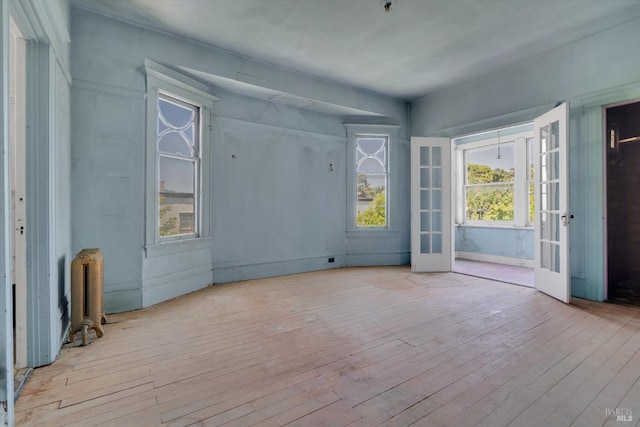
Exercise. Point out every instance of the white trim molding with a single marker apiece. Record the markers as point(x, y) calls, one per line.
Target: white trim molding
point(391, 133)
point(165, 80)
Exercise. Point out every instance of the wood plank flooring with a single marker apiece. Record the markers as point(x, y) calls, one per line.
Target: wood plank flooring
point(350, 347)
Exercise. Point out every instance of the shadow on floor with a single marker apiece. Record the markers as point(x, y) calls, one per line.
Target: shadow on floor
point(522, 276)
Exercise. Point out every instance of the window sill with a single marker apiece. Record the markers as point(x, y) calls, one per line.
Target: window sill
point(489, 225)
point(372, 232)
point(175, 246)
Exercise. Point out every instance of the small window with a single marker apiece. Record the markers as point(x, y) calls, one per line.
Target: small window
point(178, 165)
point(489, 189)
point(372, 180)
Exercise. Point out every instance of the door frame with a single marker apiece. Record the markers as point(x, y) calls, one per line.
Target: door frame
point(17, 136)
point(605, 188)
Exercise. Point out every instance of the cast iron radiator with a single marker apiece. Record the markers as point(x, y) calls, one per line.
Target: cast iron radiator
point(87, 307)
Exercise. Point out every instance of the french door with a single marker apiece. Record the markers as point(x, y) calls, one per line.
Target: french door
point(431, 248)
point(551, 200)
point(431, 216)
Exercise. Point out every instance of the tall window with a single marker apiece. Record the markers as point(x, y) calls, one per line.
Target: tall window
point(178, 161)
point(372, 180)
point(178, 139)
point(494, 174)
point(489, 183)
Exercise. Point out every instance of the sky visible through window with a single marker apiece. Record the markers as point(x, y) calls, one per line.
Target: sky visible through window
point(177, 137)
point(489, 156)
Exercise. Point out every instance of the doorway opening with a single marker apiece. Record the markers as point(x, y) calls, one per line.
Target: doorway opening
point(493, 211)
point(623, 203)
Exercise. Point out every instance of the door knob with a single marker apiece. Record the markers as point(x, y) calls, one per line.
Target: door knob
point(565, 219)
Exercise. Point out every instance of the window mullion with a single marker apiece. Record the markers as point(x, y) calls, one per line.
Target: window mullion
point(520, 188)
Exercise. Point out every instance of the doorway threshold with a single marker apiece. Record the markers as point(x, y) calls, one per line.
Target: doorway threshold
point(522, 276)
point(20, 377)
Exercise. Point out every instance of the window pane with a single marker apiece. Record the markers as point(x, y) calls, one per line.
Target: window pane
point(437, 199)
point(425, 223)
point(491, 164)
point(371, 154)
point(555, 134)
point(424, 199)
point(545, 254)
point(372, 205)
point(544, 133)
point(437, 178)
point(555, 227)
point(436, 243)
point(425, 240)
point(371, 165)
point(436, 156)
point(177, 126)
point(176, 194)
point(424, 178)
point(372, 146)
point(555, 258)
point(424, 156)
point(554, 165)
point(545, 227)
point(544, 197)
point(436, 221)
point(371, 168)
point(490, 202)
point(175, 143)
point(174, 113)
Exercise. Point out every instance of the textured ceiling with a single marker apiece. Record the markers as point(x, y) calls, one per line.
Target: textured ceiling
point(417, 48)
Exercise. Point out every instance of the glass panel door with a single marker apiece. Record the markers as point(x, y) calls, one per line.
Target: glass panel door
point(431, 204)
point(552, 217)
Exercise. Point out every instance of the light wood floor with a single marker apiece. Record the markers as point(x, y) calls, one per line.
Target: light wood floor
point(364, 346)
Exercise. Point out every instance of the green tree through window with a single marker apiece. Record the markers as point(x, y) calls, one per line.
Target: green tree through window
point(489, 193)
point(375, 215)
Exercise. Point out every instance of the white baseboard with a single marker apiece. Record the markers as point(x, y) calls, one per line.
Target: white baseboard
point(496, 259)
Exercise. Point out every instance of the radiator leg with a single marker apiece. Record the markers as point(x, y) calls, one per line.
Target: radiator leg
point(85, 334)
point(99, 330)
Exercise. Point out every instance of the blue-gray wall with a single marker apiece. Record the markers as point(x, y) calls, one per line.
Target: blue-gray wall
point(589, 73)
point(514, 243)
point(276, 207)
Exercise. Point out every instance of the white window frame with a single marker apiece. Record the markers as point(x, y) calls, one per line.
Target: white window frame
point(520, 185)
point(195, 159)
point(385, 174)
point(161, 79)
point(354, 131)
